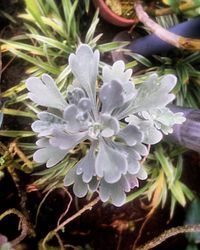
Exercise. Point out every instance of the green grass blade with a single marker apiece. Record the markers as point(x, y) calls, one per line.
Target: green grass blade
point(24, 46)
point(63, 75)
point(141, 59)
point(37, 62)
point(67, 5)
point(56, 26)
point(137, 193)
point(178, 194)
point(87, 5)
point(16, 112)
point(92, 28)
point(51, 42)
point(71, 22)
point(54, 7)
point(33, 9)
point(16, 133)
point(8, 16)
point(106, 47)
point(14, 90)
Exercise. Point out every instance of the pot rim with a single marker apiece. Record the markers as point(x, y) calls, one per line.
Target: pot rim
point(112, 17)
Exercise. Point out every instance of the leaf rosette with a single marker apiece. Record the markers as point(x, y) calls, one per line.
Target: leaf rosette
point(119, 121)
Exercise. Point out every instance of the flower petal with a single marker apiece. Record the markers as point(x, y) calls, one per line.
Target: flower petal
point(116, 72)
point(93, 184)
point(47, 123)
point(86, 166)
point(110, 163)
point(115, 192)
point(131, 155)
point(74, 94)
point(133, 165)
point(66, 141)
point(131, 135)
point(70, 116)
point(111, 96)
point(132, 180)
point(45, 92)
point(165, 119)
point(155, 93)
point(49, 154)
point(84, 65)
point(141, 149)
point(142, 174)
point(85, 104)
point(110, 125)
point(80, 188)
point(151, 134)
point(70, 177)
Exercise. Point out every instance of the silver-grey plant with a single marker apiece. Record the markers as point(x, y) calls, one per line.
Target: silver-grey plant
point(118, 119)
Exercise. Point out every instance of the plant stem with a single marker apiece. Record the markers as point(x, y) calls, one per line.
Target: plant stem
point(182, 7)
point(89, 206)
point(169, 233)
point(163, 34)
point(23, 223)
point(52, 233)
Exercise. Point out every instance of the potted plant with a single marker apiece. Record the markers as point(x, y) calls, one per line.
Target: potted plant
point(122, 13)
point(116, 15)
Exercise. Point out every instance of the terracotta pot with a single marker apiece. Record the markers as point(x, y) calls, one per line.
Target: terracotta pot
point(112, 17)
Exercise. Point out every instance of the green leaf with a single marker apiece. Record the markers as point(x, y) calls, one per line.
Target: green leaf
point(14, 90)
point(24, 46)
point(87, 5)
point(8, 16)
point(93, 42)
point(63, 75)
point(131, 65)
point(164, 193)
point(16, 112)
point(51, 42)
point(141, 59)
point(71, 23)
point(192, 247)
point(1, 118)
point(92, 28)
point(172, 206)
point(106, 47)
point(165, 163)
point(192, 57)
point(27, 146)
point(33, 8)
point(183, 74)
point(49, 22)
point(54, 6)
point(137, 193)
point(37, 62)
point(178, 194)
point(16, 133)
point(193, 217)
point(179, 168)
point(188, 193)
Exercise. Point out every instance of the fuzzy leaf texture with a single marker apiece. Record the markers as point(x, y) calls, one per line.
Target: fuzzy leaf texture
point(119, 121)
